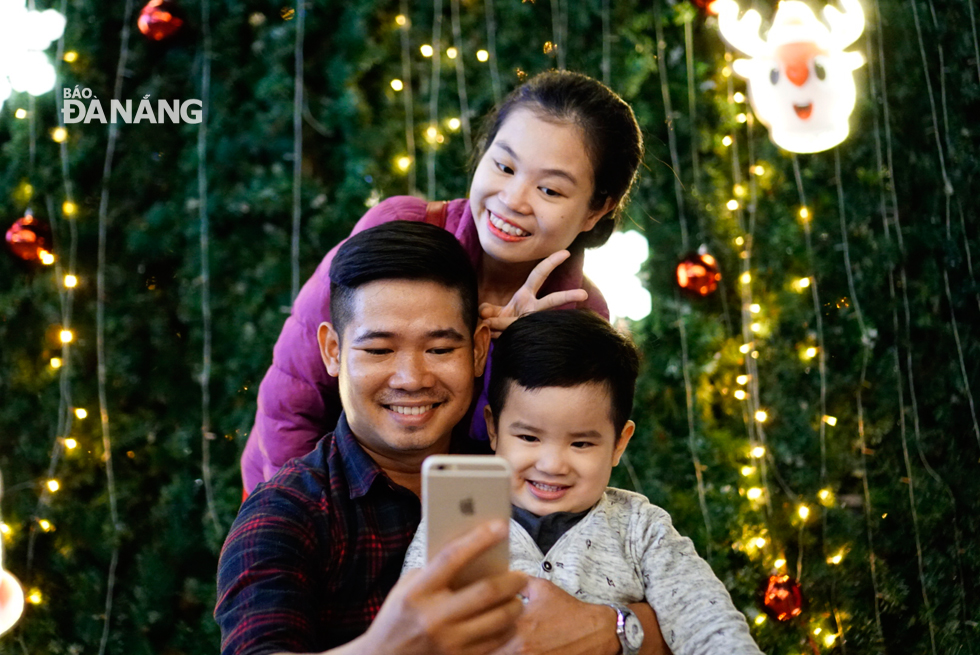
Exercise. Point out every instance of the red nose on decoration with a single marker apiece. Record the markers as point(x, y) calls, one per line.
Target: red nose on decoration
point(796, 60)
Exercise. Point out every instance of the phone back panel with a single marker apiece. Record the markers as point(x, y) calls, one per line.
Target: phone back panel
point(460, 492)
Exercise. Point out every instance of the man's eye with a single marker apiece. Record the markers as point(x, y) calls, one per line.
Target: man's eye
point(377, 351)
point(504, 168)
point(441, 351)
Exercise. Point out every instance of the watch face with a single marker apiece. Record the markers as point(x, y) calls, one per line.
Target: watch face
point(633, 630)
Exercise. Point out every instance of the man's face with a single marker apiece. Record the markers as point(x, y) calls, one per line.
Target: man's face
point(406, 364)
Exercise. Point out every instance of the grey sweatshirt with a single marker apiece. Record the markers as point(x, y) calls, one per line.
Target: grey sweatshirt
point(626, 550)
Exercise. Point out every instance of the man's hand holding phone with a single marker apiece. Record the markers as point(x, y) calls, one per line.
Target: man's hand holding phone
point(423, 614)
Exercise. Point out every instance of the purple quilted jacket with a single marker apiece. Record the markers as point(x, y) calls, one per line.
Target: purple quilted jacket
point(299, 402)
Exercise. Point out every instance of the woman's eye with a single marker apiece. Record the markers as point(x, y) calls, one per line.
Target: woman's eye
point(504, 168)
point(550, 192)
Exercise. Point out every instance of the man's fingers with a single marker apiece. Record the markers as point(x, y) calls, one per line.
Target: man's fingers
point(489, 310)
point(544, 268)
point(438, 573)
point(559, 298)
point(494, 627)
point(497, 590)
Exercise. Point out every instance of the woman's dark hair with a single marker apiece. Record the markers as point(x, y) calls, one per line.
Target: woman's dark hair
point(612, 136)
point(401, 250)
point(565, 348)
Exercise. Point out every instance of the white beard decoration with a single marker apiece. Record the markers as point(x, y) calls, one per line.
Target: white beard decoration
point(800, 80)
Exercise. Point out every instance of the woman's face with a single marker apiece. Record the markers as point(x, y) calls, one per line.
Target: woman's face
point(530, 193)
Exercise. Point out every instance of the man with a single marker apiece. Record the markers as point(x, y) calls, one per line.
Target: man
point(312, 561)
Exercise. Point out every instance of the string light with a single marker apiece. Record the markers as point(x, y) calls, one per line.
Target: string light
point(747, 470)
point(761, 416)
point(739, 190)
point(836, 559)
point(760, 619)
point(732, 204)
point(745, 348)
point(71, 56)
point(68, 208)
point(810, 353)
point(453, 123)
point(755, 308)
point(482, 55)
point(803, 512)
point(726, 72)
point(451, 52)
point(755, 493)
point(738, 96)
point(59, 134)
point(739, 394)
point(71, 281)
point(5, 529)
point(804, 213)
point(741, 118)
point(397, 84)
point(726, 141)
point(81, 412)
point(45, 525)
point(759, 542)
point(758, 452)
point(745, 277)
point(426, 50)
point(20, 113)
point(55, 362)
point(403, 163)
point(779, 563)
point(758, 170)
point(46, 257)
point(53, 485)
point(826, 497)
point(830, 420)
point(400, 20)
point(739, 241)
point(829, 640)
point(756, 327)
point(35, 597)
point(742, 379)
point(66, 336)
point(71, 444)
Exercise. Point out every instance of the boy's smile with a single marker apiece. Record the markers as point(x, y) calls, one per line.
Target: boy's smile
point(561, 443)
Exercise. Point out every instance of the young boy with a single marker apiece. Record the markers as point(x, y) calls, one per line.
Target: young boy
point(560, 396)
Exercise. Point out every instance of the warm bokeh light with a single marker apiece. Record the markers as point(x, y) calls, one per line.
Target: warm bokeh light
point(779, 563)
point(451, 52)
point(397, 84)
point(81, 412)
point(759, 620)
point(400, 20)
point(741, 118)
point(745, 348)
point(59, 134)
point(761, 416)
point(66, 336)
point(747, 470)
point(403, 163)
point(803, 511)
point(732, 204)
point(71, 444)
point(738, 96)
point(45, 525)
point(46, 257)
point(810, 353)
point(71, 281)
point(34, 597)
point(830, 420)
point(426, 50)
point(742, 379)
point(53, 485)
point(482, 55)
point(739, 394)
point(755, 493)
point(804, 213)
point(726, 141)
point(68, 208)
point(454, 123)
point(71, 56)
point(745, 277)
point(758, 171)
point(20, 113)
point(55, 362)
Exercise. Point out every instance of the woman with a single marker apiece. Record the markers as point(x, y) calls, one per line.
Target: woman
point(558, 161)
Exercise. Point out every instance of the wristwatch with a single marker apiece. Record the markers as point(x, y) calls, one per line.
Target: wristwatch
point(628, 629)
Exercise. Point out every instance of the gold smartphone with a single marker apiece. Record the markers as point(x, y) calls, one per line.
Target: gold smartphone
point(460, 492)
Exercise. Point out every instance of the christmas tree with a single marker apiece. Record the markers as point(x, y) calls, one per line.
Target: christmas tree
point(809, 418)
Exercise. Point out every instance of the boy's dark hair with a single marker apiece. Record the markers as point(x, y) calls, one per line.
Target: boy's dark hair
point(565, 348)
point(401, 250)
point(612, 136)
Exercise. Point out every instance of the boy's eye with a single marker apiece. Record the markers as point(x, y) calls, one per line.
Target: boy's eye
point(526, 438)
point(504, 168)
point(582, 444)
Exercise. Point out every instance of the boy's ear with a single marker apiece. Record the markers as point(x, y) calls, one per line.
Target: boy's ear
point(624, 439)
point(329, 342)
point(481, 346)
point(491, 427)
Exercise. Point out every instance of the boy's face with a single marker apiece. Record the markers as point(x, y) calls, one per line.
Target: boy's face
point(561, 444)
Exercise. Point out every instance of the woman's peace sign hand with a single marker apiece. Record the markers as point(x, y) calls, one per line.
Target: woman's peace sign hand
point(526, 301)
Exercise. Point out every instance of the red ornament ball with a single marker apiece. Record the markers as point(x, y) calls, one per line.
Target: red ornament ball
point(698, 274)
point(158, 20)
point(30, 239)
point(782, 598)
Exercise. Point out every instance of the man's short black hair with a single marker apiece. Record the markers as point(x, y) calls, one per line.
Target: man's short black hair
point(565, 348)
point(401, 250)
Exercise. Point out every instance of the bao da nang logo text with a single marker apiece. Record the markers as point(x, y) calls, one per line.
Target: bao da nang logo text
point(81, 106)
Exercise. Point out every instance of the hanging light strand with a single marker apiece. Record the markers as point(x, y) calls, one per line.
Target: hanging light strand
point(430, 155)
point(205, 244)
point(297, 143)
point(464, 105)
point(606, 66)
point(408, 98)
point(492, 50)
point(671, 134)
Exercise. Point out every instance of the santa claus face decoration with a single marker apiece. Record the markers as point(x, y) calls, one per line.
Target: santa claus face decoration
point(800, 80)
